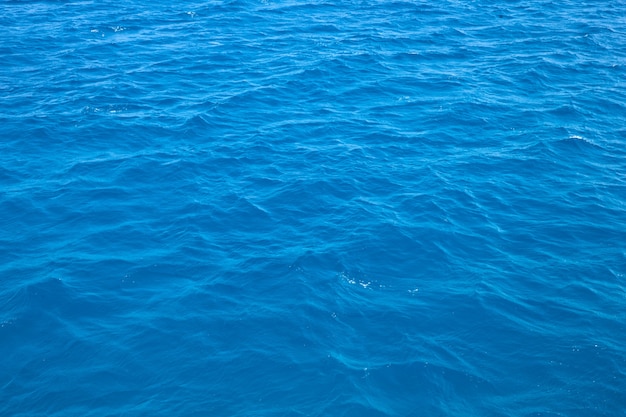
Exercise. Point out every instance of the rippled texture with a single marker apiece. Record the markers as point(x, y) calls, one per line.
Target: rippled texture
point(291, 208)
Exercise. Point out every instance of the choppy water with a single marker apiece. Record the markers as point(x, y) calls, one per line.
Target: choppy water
point(292, 208)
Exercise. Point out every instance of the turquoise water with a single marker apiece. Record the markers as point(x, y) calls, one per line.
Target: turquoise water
point(291, 208)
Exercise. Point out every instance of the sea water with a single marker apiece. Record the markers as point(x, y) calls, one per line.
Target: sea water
point(313, 208)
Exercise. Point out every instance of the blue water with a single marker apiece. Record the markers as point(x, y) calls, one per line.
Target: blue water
point(311, 208)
